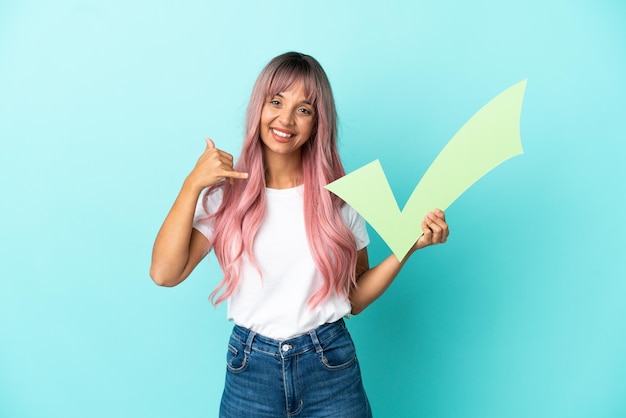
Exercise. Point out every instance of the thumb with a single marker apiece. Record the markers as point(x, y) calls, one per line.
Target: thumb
point(209, 143)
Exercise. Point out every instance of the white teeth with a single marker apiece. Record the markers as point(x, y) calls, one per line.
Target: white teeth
point(282, 134)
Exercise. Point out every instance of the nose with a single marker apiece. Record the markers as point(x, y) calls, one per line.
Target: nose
point(286, 116)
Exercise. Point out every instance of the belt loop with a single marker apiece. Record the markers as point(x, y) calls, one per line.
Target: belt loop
point(316, 342)
point(248, 348)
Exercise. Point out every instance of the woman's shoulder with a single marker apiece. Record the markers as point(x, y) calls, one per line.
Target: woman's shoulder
point(350, 216)
point(348, 211)
point(355, 222)
point(211, 199)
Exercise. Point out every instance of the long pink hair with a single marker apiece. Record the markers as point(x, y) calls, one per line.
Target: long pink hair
point(237, 220)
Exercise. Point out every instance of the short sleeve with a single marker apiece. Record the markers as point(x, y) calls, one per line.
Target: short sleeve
point(356, 224)
point(208, 203)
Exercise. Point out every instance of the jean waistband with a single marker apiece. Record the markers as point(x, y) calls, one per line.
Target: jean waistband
point(292, 346)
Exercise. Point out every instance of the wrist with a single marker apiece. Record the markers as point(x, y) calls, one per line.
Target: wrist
point(190, 185)
point(418, 245)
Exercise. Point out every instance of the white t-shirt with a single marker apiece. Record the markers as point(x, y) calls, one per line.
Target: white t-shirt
point(276, 304)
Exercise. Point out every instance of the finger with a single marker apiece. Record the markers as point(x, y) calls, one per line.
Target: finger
point(225, 157)
point(226, 166)
point(439, 227)
point(436, 216)
point(446, 233)
point(441, 221)
point(231, 174)
point(437, 233)
point(209, 143)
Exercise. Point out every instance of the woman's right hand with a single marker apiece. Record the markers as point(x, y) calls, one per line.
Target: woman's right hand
point(213, 166)
point(178, 247)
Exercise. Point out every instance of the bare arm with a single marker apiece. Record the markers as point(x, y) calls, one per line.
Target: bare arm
point(372, 282)
point(178, 247)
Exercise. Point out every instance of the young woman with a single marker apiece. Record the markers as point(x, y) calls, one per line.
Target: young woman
point(293, 255)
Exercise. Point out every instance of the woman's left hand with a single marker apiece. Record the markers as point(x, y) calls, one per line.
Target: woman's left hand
point(434, 228)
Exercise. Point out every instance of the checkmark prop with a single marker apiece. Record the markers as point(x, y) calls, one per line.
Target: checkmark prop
point(487, 139)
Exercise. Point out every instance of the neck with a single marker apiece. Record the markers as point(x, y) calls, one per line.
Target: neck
point(282, 173)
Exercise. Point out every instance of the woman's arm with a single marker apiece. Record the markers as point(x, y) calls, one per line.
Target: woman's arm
point(371, 283)
point(178, 247)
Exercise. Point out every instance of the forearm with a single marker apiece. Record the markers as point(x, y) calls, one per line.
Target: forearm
point(170, 253)
point(374, 282)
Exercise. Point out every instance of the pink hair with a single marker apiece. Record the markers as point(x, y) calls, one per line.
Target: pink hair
point(237, 220)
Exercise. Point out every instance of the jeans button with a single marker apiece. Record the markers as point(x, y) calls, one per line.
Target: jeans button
point(286, 347)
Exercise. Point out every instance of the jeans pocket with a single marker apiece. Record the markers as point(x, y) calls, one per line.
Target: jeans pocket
point(236, 357)
point(338, 352)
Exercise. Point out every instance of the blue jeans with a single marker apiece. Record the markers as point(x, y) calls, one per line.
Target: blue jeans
point(314, 375)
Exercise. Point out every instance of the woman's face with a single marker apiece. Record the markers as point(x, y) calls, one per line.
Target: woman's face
point(287, 120)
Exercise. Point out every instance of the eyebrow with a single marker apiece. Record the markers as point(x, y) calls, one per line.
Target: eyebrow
point(303, 101)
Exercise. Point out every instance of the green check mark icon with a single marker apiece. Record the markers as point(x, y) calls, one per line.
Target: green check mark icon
point(487, 139)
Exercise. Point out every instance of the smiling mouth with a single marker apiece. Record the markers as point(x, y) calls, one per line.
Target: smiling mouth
point(281, 134)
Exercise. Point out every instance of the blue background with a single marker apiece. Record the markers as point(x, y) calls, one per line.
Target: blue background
point(104, 107)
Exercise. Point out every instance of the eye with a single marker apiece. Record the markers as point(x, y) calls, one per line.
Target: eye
point(275, 102)
point(305, 111)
